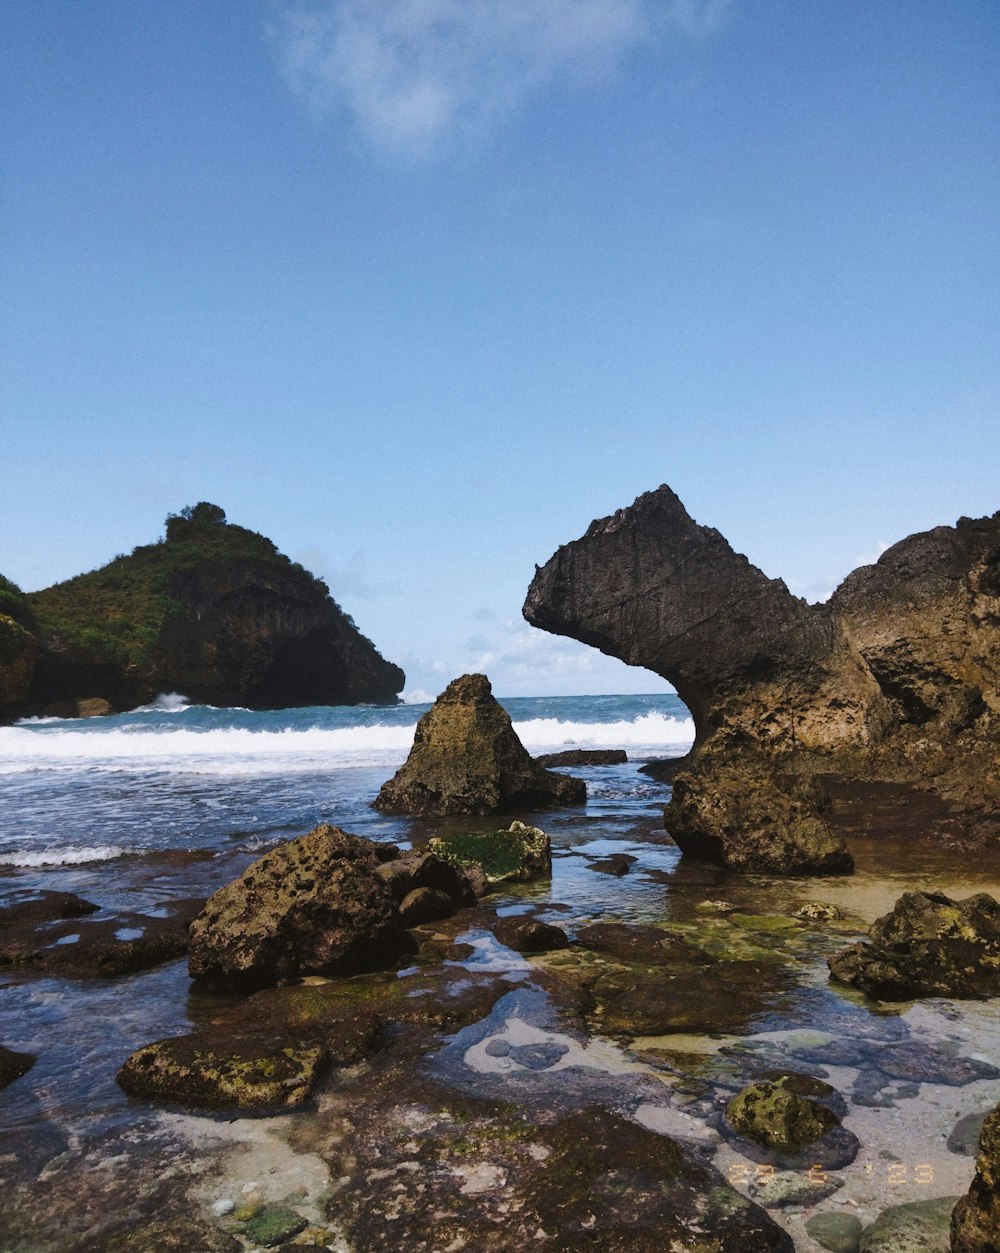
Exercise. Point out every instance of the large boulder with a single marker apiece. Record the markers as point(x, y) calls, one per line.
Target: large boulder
point(316, 905)
point(975, 1221)
point(896, 678)
point(753, 821)
point(927, 945)
point(467, 759)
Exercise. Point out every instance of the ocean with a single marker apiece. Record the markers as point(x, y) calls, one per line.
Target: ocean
point(141, 810)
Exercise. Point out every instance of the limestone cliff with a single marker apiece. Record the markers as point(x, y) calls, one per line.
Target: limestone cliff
point(897, 677)
point(213, 611)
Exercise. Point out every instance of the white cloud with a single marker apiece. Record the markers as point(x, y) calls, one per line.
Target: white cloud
point(414, 74)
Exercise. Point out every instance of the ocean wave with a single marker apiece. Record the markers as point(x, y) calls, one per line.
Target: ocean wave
point(242, 750)
point(65, 856)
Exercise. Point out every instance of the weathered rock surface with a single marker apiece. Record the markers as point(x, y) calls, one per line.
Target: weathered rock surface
point(975, 1222)
point(516, 855)
point(224, 1071)
point(316, 905)
point(467, 759)
point(776, 1121)
point(896, 678)
point(927, 945)
point(530, 935)
point(214, 611)
point(917, 1227)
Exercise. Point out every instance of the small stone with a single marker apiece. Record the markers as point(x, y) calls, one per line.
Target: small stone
point(538, 1056)
point(222, 1207)
point(840, 1233)
point(274, 1225)
point(818, 911)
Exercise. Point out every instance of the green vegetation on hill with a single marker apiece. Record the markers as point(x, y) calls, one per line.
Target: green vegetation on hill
point(116, 611)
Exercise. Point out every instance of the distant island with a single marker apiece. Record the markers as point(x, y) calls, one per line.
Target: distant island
point(212, 610)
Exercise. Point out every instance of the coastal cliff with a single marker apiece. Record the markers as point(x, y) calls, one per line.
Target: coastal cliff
point(213, 611)
point(895, 679)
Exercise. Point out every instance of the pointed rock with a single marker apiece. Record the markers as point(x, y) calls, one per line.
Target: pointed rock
point(467, 759)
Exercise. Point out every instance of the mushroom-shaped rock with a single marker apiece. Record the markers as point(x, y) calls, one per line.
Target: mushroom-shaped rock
point(467, 759)
point(316, 905)
point(927, 945)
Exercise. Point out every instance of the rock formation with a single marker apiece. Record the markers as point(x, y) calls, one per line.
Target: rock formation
point(896, 678)
point(467, 759)
point(213, 611)
point(975, 1221)
point(928, 945)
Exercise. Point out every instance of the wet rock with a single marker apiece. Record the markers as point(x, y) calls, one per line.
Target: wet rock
point(13, 1065)
point(818, 911)
point(924, 1064)
point(272, 1225)
point(750, 819)
point(975, 1223)
point(81, 949)
point(839, 1233)
point(314, 905)
point(45, 907)
point(584, 757)
point(516, 855)
point(783, 1188)
point(178, 1235)
point(537, 1056)
point(919, 1227)
point(224, 1071)
point(412, 871)
point(649, 945)
point(467, 759)
point(617, 864)
point(425, 905)
point(93, 707)
point(928, 945)
point(876, 1090)
point(529, 935)
point(964, 1137)
point(777, 1118)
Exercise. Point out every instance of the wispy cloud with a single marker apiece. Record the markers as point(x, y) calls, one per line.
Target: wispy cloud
point(416, 74)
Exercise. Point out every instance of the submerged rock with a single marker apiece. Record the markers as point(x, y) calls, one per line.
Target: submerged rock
point(896, 678)
point(13, 1065)
point(467, 759)
point(516, 855)
point(315, 905)
point(837, 1232)
point(975, 1223)
point(927, 945)
point(918, 1227)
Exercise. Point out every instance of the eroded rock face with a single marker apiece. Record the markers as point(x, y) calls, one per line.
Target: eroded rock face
point(927, 945)
point(467, 759)
point(975, 1221)
point(896, 678)
point(313, 906)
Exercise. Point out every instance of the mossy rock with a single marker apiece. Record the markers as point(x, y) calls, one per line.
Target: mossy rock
point(515, 855)
point(272, 1225)
point(778, 1118)
point(222, 1071)
point(918, 1227)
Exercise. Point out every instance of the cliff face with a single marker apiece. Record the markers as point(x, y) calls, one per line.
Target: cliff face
point(213, 611)
point(18, 648)
point(896, 678)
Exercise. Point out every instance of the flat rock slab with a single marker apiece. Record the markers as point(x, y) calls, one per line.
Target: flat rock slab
point(45, 907)
point(214, 1070)
point(921, 1063)
point(584, 757)
point(80, 948)
point(919, 1227)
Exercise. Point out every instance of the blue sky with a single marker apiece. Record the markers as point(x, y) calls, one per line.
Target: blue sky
point(420, 287)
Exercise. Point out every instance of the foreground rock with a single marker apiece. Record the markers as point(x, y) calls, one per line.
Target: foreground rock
point(975, 1223)
point(467, 759)
point(928, 945)
point(896, 678)
point(13, 1065)
point(316, 905)
point(790, 1126)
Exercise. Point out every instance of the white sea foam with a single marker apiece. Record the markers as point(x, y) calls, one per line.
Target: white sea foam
point(65, 856)
point(243, 750)
point(165, 703)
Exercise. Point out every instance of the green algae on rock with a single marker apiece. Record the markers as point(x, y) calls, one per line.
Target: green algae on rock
point(467, 759)
point(917, 1227)
point(206, 1071)
point(515, 855)
point(836, 1232)
point(315, 905)
point(975, 1222)
point(777, 1118)
point(927, 945)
